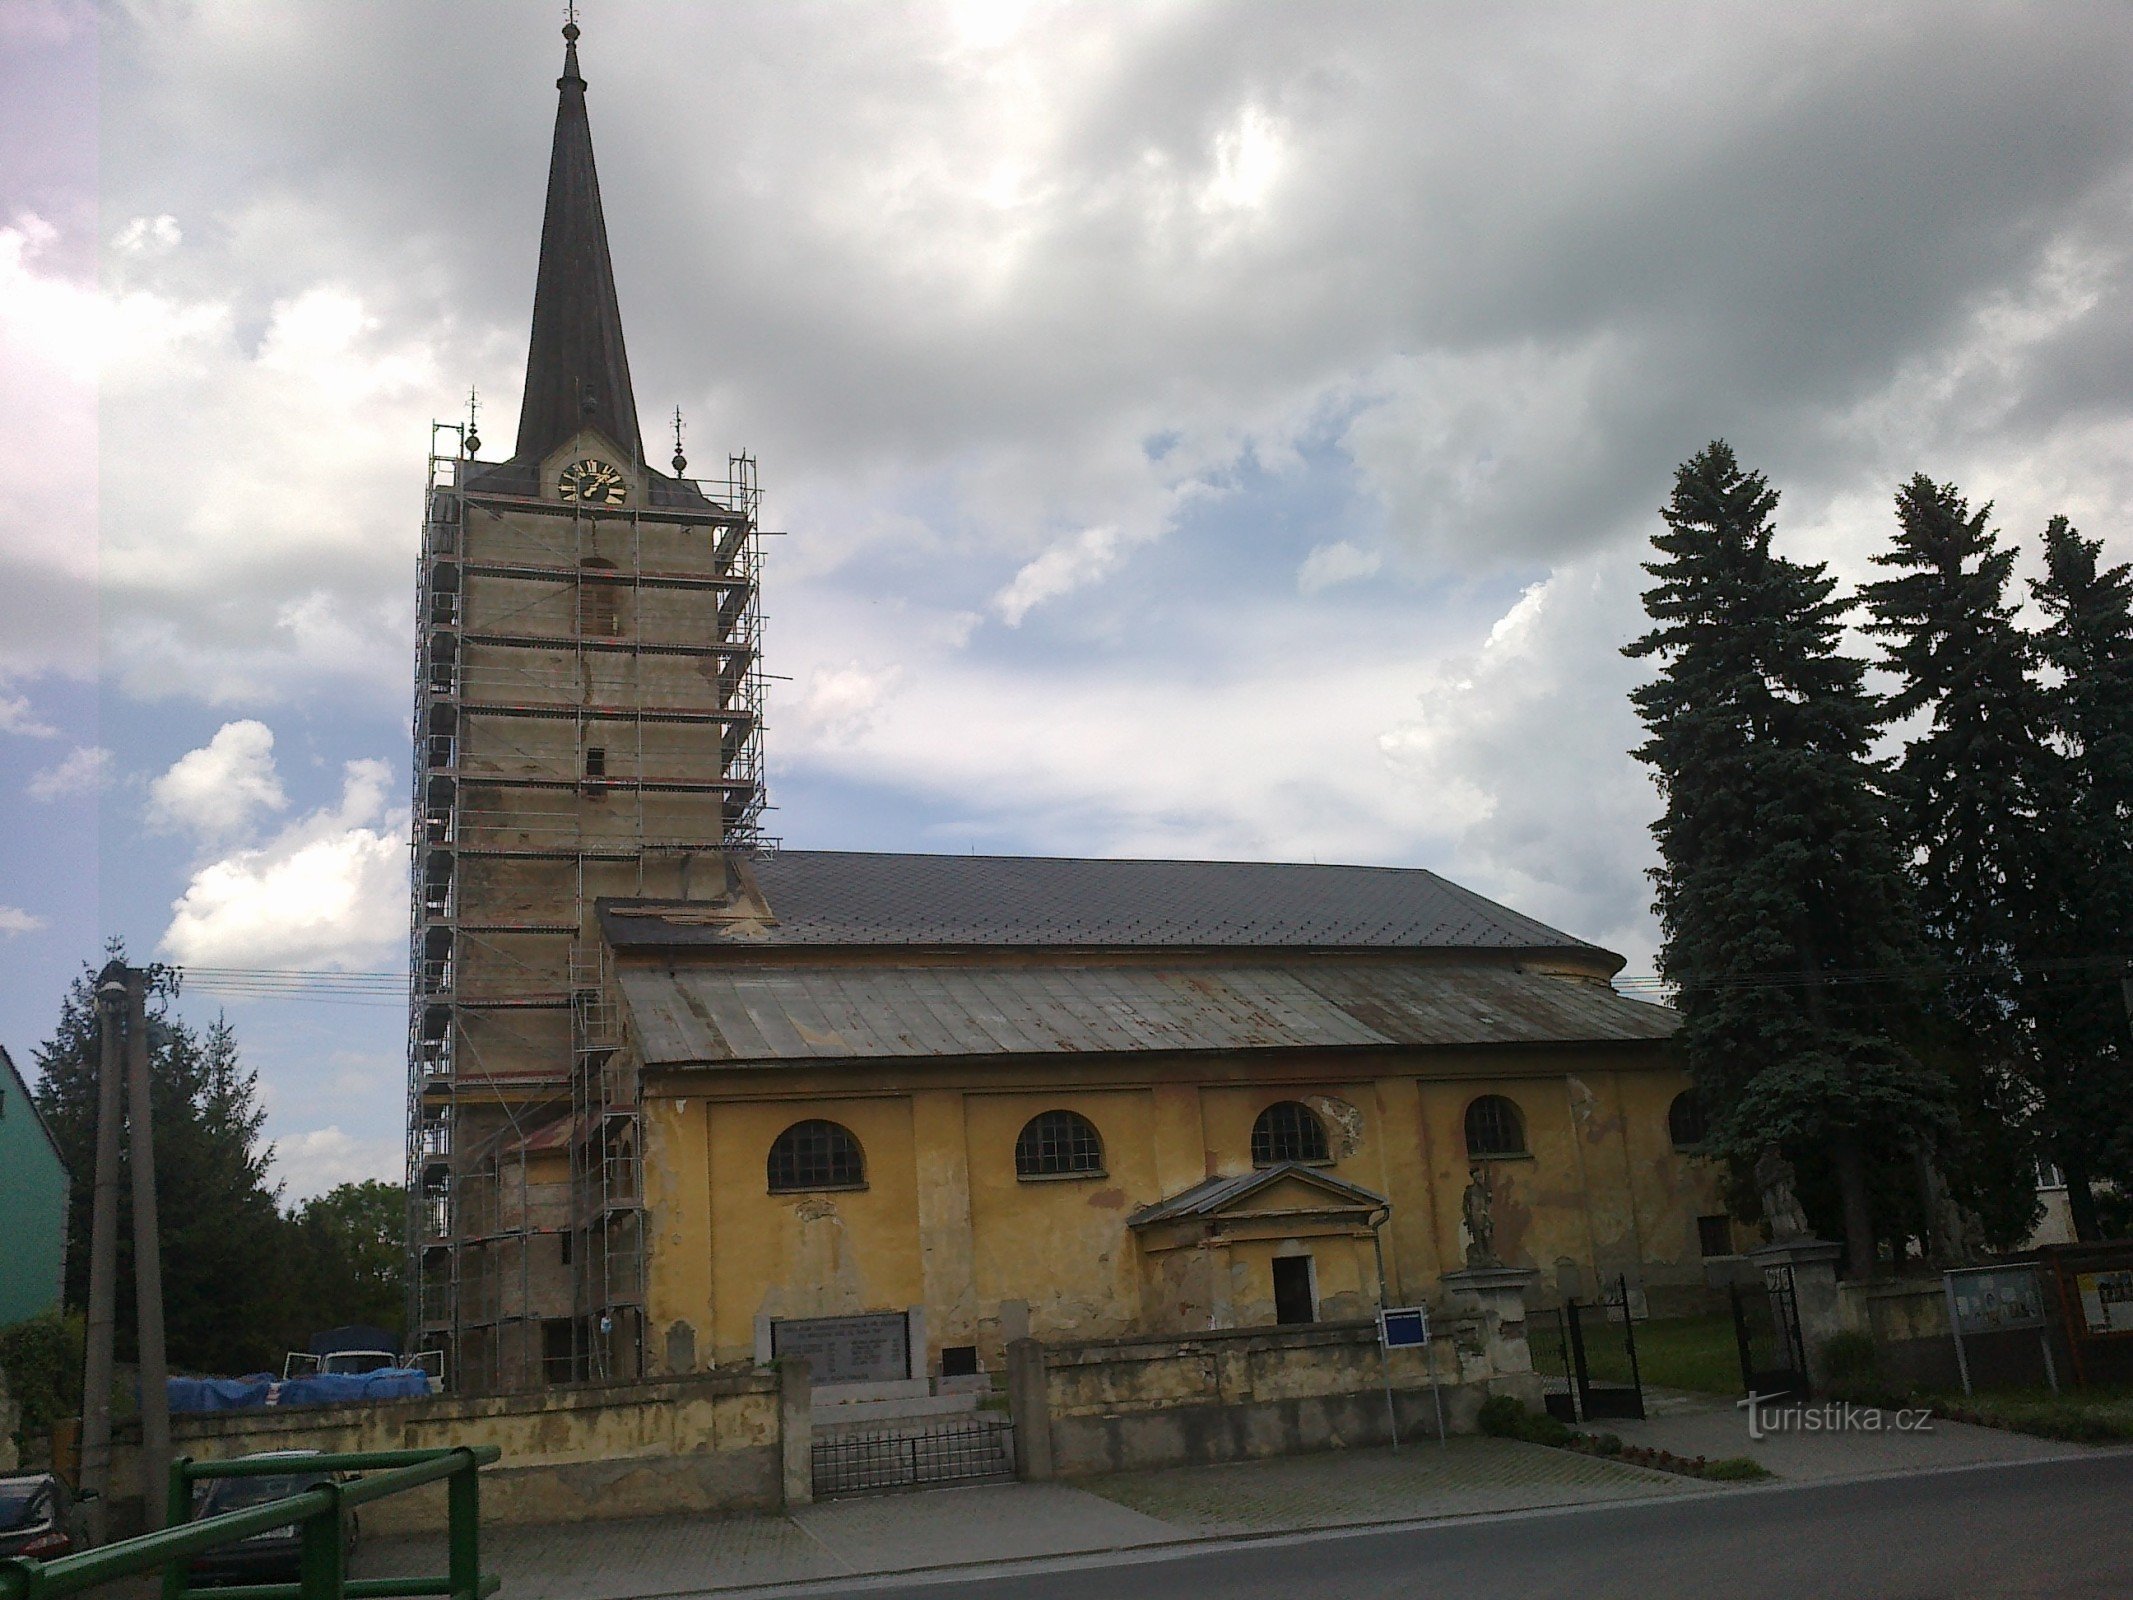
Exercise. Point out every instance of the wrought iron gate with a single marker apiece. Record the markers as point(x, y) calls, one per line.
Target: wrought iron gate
point(1548, 1337)
point(859, 1458)
point(1609, 1383)
point(1766, 1325)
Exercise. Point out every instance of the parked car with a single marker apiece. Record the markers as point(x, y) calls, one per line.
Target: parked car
point(275, 1556)
point(40, 1516)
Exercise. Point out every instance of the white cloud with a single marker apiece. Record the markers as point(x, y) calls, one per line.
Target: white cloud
point(14, 920)
point(219, 790)
point(329, 891)
point(85, 771)
point(148, 236)
point(838, 705)
point(1338, 562)
point(1060, 570)
point(311, 1162)
point(16, 717)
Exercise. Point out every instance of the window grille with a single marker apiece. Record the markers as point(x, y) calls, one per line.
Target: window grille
point(1057, 1143)
point(1288, 1131)
point(815, 1155)
point(1493, 1128)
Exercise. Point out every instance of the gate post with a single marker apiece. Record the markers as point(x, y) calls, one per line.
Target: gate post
point(1029, 1407)
point(1814, 1287)
point(796, 1433)
point(1499, 1294)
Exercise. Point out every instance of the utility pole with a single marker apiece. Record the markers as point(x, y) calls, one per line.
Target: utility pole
point(147, 1256)
point(111, 999)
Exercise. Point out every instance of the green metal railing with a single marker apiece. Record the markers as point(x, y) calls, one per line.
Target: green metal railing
point(320, 1512)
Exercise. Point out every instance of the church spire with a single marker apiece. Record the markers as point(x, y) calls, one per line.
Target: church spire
point(577, 373)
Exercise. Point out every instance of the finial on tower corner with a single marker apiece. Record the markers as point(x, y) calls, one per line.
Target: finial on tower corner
point(681, 462)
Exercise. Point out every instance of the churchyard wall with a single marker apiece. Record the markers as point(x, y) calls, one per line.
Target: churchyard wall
point(570, 1454)
point(1119, 1405)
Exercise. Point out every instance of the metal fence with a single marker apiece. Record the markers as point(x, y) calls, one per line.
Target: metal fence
point(903, 1455)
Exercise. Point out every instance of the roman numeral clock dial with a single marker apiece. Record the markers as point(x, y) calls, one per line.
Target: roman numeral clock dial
point(594, 482)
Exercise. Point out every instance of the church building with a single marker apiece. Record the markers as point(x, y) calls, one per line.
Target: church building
point(678, 1101)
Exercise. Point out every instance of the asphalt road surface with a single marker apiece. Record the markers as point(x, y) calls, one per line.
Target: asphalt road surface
point(2051, 1528)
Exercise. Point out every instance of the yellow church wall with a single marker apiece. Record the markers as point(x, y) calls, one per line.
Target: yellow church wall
point(944, 1221)
point(1071, 1229)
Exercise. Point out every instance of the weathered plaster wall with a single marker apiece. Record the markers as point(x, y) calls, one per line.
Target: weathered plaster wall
point(590, 1451)
point(944, 1222)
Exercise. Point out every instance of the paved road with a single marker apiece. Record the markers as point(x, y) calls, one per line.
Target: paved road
point(2059, 1529)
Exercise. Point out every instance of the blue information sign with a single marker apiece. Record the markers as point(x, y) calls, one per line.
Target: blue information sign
point(1403, 1327)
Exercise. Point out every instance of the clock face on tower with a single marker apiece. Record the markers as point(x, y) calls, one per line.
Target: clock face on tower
point(593, 480)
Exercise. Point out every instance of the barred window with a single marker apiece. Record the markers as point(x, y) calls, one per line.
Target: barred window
point(1288, 1131)
point(815, 1155)
point(1056, 1143)
point(1494, 1128)
point(1684, 1121)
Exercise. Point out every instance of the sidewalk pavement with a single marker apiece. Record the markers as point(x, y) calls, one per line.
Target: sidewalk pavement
point(1871, 1442)
point(992, 1522)
point(995, 1522)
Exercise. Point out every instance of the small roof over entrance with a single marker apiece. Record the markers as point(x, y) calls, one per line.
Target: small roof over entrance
point(1286, 1189)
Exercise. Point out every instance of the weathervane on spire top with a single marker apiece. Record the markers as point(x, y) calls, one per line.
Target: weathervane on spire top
point(681, 462)
point(473, 413)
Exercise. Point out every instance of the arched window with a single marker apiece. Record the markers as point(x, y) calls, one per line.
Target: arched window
point(1288, 1130)
point(1494, 1128)
point(1684, 1121)
point(599, 599)
point(1054, 1144)
point(815, 1155)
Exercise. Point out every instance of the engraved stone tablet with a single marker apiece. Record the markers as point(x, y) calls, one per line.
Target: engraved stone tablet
point(874, 1348)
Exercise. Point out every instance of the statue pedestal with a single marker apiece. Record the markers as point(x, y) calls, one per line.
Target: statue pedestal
point(1814, 1289)
point(1498, 1294)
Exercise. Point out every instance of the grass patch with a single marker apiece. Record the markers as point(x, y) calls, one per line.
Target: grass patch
point(1695, 1353)
point(2082, 1416)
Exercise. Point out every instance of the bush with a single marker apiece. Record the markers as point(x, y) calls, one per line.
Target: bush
point(42, 1359)
point(1504, 1418)
point(1607, 1444)
point(1736, 1469)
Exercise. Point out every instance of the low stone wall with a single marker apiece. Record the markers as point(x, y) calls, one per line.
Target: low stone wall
point(1907, 1318)
point(1238, 1394)
point(580, 1452)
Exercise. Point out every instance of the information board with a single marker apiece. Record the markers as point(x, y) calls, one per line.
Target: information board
point(2106, 1301)
point(1996, 1299)
point(872, 1348)
point(1403, 1327)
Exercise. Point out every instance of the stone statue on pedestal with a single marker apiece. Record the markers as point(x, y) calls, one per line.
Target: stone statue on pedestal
point(1476, 1210)
point(1781, 1207)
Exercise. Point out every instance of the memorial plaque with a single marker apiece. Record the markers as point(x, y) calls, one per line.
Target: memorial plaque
point(873, 1348)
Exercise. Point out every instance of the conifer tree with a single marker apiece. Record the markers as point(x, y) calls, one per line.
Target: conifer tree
point(1779, 885)
point(2083, 1075)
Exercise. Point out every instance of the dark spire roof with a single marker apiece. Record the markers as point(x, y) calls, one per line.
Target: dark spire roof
point(577, 373)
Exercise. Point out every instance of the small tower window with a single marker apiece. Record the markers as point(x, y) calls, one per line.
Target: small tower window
point(1288, 1130)
point(1494, 1128)
point(815, 1155)
point(599, 596)
point(1058, 1144)
point(1684, 1121)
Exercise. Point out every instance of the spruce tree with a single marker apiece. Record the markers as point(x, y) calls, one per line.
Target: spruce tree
point(2084, 939)
point(1980, 791)
point(224, 1242)
point(1779, 887)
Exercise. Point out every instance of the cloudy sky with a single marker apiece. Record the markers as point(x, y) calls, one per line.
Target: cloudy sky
point(1222, 430)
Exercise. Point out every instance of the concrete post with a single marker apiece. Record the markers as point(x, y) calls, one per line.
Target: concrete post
point(1029, 1404)
point(796, 1432)
point(103, 1260)
point(147, 1256)
point(1814, 1289)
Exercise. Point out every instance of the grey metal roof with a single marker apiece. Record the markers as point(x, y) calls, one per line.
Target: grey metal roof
point(752, 1014)
point(834, 897)
point(1212, 1195)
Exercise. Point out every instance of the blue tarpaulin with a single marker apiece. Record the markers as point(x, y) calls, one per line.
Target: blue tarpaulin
point(321, 1389)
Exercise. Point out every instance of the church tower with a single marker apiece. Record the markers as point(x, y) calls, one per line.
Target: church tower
point(587, 690)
